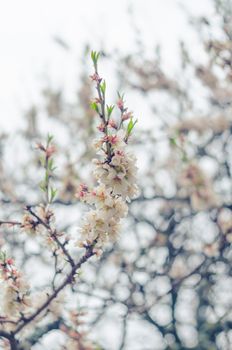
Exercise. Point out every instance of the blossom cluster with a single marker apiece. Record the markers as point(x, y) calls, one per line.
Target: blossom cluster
point(34, 224)
point(216, 124)
point(40, 221)
point(77, 337)
point(225, 223)
point(14, 288)
point(115, 171)
point(198, 187)
point(116, 179)
point(119, 173)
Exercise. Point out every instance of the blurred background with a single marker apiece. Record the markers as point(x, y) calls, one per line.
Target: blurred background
point(44, 42)
point(167, 283)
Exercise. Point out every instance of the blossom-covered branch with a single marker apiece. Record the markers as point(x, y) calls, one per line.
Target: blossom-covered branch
point(115, 171)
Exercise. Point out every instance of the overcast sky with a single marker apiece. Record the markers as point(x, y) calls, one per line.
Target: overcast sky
point(29, 55)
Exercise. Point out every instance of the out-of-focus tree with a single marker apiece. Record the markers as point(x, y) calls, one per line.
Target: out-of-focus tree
point(166, 284)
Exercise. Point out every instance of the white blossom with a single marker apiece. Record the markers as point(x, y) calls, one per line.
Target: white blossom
point(119, 174)
point(116, 177)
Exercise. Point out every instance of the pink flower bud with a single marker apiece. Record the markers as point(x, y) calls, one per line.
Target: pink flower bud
point(84, 187)
point(50, 150)
point(126, 116)
point(82, 191)
point(112, 124)
point(113, 139)
point(119, 153)
point(101, 127)
point(95, 77)
point(120, 104)
point(10, 261)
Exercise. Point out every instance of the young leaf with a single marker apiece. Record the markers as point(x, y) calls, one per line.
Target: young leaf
point(49, 139)
point(94, 106)
point(109, 110)
point(172, 141)
point(95, 56)
point(130, 126)
point(53, 194)
point(42, 186)
point(2, 255)
point(42, 161)
point(103, 87)
point(50, 164)
point(121, 97)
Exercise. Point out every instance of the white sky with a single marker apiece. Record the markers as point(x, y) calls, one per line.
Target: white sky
point(29, 55)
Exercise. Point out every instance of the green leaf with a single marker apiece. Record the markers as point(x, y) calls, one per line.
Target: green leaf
point(184, 157)
point(95, 56)
point(42, 161)
point(50, 164)
point(121, 97)
point(172, 141)
point(2, 255)
point(42, 186)
point(110, 110)
point(53, 192)
point(98, 347)
point(103, 87)
point(49, 139)
point(94, 106)
point(46, 176)
point(130, 126)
